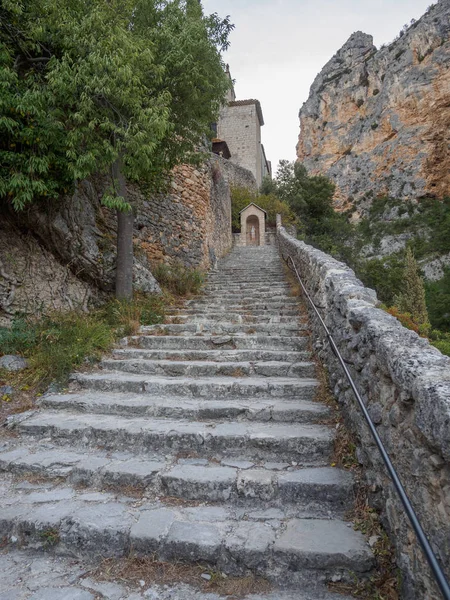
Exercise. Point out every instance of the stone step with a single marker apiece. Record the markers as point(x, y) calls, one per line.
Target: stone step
point(237, 318)
point(212, 387)
point(71, 522)
point(321, 489)
point(53, 577)
point(216, 327)
point(308, 445)
point(216, 354)
point(312, 491)
point(205, 368)
point(212, 311)
point(250, 290)
point(235, 342)
point(222, 303)
point(175, 407)
point(246, 282)
point(244, 297)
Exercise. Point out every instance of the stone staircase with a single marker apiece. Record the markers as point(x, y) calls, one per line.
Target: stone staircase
point(200, 440)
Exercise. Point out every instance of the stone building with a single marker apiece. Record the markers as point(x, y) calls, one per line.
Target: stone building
point(253, 226)
point(239, 125)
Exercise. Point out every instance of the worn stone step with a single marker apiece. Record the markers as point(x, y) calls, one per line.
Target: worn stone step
point(212, 387)
point(314, 491)
point(173, 407)
point(47, 577)
point(259, 286)
point(211, 342)
point(319, 489)
point(243, 311)
point(205, 368)
point(216, 327)
point(221, 303)
point(305, 444)
point(237, 318)
point(246, 276)
point(214, 289)
point(86, 525)
point(217, 354)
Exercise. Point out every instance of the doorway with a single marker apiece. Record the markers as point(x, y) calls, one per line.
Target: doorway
point(252, 231)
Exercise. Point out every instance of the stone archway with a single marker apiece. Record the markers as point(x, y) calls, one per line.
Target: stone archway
point(252, 231)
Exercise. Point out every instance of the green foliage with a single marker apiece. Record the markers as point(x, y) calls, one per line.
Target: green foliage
point(438, 301)
point(241, 197)
point(62, 342)
point(441, 341)
point(50, 537)
point(22, 335)
point(412, 296)
point(84, 83)
point(58, 343)
point(383, 275)
point(32, 141)
point(125, 317)
point(311, 200)
point(179, 280)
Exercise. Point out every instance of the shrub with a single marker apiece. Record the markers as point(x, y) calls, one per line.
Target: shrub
point(405, 318)
point(178, 279)
point(21, 336)
point(58, 343)
point(438, 301)
point(412, 296)
point(126, 317)
point(441, 341)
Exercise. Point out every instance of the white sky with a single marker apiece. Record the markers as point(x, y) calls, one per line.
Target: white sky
point(279, 46)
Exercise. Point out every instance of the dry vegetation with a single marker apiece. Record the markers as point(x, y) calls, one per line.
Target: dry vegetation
point(133, 570)
point(384, 583)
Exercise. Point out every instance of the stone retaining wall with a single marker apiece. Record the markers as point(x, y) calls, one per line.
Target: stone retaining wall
point(191, 224)
point(235, 175)
point(405, 384)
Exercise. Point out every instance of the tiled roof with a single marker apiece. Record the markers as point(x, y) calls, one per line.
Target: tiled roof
point(249, 102)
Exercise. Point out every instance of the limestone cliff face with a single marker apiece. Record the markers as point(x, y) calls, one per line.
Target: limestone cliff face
point(379, 120)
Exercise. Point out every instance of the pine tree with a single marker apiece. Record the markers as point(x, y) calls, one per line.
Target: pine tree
point(412, 298)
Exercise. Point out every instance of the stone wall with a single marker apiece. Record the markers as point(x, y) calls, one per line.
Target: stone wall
point(192, 223)
point(405, 383)
point(235, 175)
point(378, 121)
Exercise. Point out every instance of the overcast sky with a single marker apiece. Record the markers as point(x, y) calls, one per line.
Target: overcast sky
point(279, 46)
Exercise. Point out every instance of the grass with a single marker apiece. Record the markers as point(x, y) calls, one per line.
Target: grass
point(133, 570)
point(56, 344)
point(179, 280)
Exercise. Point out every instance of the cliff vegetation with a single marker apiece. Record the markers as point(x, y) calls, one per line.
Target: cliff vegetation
point(379, 245)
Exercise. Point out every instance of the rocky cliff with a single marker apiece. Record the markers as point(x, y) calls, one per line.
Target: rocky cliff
point(378, 121)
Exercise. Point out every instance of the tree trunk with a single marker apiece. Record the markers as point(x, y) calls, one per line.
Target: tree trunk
point(124, 266)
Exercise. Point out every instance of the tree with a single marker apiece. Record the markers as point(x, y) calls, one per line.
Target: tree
point(309, 197)
point(241, 197)
point(411, 299)
point(131, 87)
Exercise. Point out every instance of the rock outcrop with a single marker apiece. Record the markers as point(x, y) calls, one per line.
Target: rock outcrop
point(379, 120)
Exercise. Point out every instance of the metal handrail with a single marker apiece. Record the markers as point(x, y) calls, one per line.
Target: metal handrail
point(423, 540)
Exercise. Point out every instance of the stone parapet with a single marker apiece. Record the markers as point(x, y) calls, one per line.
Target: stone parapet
point(405, 384)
